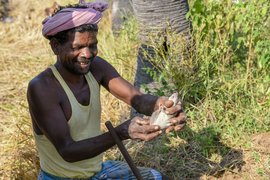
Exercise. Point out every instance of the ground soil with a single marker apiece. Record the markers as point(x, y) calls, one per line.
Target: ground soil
point(252, 165)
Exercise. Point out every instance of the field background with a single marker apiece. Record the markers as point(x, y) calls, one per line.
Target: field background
point(227, 134)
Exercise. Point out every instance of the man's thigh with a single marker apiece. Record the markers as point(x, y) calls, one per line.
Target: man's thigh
point(121, 170)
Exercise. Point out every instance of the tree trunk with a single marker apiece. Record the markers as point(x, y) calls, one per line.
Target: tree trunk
point(155, 18)
point(121, 9)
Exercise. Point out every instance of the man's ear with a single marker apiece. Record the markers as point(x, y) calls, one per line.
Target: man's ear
point(55, 45)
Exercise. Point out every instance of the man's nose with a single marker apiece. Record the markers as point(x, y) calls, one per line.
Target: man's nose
point(88, 52)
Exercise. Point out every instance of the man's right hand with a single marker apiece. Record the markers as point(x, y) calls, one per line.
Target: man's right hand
point(139, 128)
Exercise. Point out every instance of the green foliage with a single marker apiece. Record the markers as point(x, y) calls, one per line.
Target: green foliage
point(231, 40)
point(222, 73)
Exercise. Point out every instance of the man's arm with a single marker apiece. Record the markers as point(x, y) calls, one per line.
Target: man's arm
point(143, 103)
point(49, 117)
point(122, 89)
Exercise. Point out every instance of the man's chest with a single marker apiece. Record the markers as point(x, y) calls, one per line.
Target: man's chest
point(80, 95)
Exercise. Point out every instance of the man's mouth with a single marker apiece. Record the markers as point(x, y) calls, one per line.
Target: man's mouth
point(84, 63)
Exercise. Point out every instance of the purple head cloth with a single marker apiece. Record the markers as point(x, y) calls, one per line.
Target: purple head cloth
point(72, 17)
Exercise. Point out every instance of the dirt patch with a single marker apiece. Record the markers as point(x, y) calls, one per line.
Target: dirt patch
point(256, 160)
point(261, 142)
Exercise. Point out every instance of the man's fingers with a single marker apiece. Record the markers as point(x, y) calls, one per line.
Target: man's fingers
point(153, 135)
point(175, 128)
point(150, 129)
point(174, 109)
point(144, 127)
point(169, 129)
point(177, 123)
point(179, 119)
point(141, 121)
point(147, 118)
point(148, 137)
point(179, 127)
point(168, 103)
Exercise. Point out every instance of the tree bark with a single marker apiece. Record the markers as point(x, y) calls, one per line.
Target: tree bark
point(155, 18)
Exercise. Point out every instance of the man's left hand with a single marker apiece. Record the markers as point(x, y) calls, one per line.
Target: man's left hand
point(178, 121)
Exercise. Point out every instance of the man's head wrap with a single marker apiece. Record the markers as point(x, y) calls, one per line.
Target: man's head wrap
point(69, 18)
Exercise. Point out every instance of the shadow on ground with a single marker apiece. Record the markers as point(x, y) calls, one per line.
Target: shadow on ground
point(188, 154)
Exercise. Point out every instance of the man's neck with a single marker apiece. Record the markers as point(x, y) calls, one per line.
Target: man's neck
point(68, 76)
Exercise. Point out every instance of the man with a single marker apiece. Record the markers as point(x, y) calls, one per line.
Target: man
point(64, 102)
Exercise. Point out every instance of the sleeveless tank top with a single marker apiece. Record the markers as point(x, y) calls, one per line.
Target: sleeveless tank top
point(83, 123)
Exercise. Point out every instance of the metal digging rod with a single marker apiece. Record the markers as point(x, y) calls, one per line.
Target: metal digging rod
point(123, 150)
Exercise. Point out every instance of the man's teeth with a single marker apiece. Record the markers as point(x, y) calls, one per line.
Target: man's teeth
point(83, 63)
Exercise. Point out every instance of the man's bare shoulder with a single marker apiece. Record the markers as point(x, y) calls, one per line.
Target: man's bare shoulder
point(98, 63)
point(43, 83)
point(43, 79)
point(102, 70)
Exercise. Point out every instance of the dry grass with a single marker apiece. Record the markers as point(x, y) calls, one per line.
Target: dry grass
point(23, 54)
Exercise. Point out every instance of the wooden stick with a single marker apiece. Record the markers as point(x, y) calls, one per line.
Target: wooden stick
point(123, 150)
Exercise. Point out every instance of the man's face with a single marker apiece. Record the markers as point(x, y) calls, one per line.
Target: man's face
point(78, 52)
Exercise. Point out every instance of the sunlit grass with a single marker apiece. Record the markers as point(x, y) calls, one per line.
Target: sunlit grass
point(24, 53)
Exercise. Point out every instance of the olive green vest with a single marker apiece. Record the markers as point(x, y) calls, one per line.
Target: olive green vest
point(83, 123)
